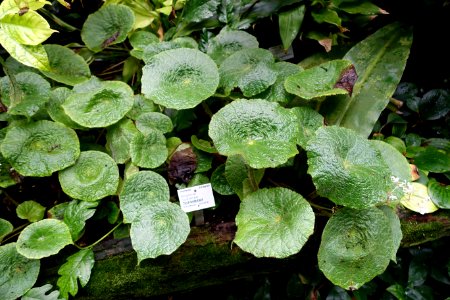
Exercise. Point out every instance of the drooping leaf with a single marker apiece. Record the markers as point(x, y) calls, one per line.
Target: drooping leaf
point(118, 140)
point(273, 222)
point(356, 246)
point(396, 230)
point(77, 268)
point(419, 200)
point(180, 78)
point(220, 183)
point(76, 214)
point(346, 168)
point(5, 228)
point(237, 174)
point(40, 293)
point(104, 105)
point(381, 55)
point(66, 66)
point(439, 193)
point(250, 69)
point(264, 133)
point(43, 238)
point(33, 92)
point(148, 151)
point(148, 122)
point(160, 228)
point(30, 210)
point(289, 23)
point(55, 110)
point(308, 121)
point(141, 190)
point(40, 148)
point(17, 273)
point(107, 26)
point(94, 176)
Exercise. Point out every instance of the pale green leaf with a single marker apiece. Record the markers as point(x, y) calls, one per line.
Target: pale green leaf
point(5, 228)
point(55, 110)
point(148, 122)
point(274, 222)
point(141, 105)
point(148, 151)
point(30, 210)
point(14, 6)
point(396, 229)
point(43, 238)
point(76, 214)
point(40, 293)
point(419, 200)
point(17, 273)
point(118, 140)
point(289, 23)
point(94, 176)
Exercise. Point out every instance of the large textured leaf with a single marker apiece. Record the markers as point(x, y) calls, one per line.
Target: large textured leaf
point(274, 223)
point(94, 176)
point(40, 148)
point(17, 273)
point(289, 23)
point(264, 133)
point(379, 61)
point(396, 229)
point(43, 238)
point(118, 139)
point(77, 267)
point(76, 214)
point(55, 110)
point(40, 293)
point(141, 190)
point(308, 121)
point(32, 56)
point(347, 169)
point(356, 246)
point(180, 78)
point(148, 122)
point(107, 26)
point(148, 151)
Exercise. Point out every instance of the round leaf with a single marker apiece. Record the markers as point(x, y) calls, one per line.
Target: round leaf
point(356, 246)
point(40, 148)
point(148, 122)
point(347, 169)
point(31, 211)
point(104, 105)
point(433, 160)
point(148, 151)
point(57, 97)
point(118, 139)
point(5, 228)
point(140, 191)
point(159, 229)
point(439, 193)
point(66, 66)
point(419, 200)
point(107, 26)
point(43, 238)
point(180, 78)
point(308, 122)
point(251, 70)
point(17, 273)
point(274, 223)
point(397, 163)
point(264, 133)
point(94, 176)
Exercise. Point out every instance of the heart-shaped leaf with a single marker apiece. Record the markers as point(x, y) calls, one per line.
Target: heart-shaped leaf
point(30, 210)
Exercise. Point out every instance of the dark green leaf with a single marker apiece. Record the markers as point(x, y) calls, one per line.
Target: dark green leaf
point(439, 193)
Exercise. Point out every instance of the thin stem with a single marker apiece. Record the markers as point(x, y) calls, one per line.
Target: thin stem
point(251, 177)
point(10, 199)
point(101, 239)
point(207, 109)
point(15, 232)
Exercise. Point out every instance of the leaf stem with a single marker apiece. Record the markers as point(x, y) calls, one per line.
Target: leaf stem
point(14, 233)
point(251, 177)
point(101, 239)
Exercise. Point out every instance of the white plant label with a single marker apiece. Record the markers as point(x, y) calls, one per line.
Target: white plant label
point(196, 198)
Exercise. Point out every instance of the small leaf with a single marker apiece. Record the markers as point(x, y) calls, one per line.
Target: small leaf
point(308, 121)
point(77, 267)
point(40, 293)
point(220, 183)
point(17, 273)
point(289, 23)
point(107, 26)
point(141, 105)
point(264, 133)
point(31, 211)
point(356, 246)
point(398, 291)
point(76, 214)
point(439, 193)
point(419, 200)
point(94, 176)
point(141, 190)
point(40, 148)
point(180, 78)
point(118, 140)
point(5, 228)
point(203, 145)
point(43, 238)
point(274, 222)
point(237, 174)
point(159, 229)
point(148, 122)
point(148, 151)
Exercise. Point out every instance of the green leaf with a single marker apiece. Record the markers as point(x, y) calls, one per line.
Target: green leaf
point(356, 246)
point(77, 267)
point(357, 7)
point(141, 105)
point(5, 228)
point(439, 193)
point(27, 29)
point(140, 190)
point(151, 50)
point(396, 230)
point(94, 176)
point(202, 145)
point(308, 121)
point(40, 148)
point(397, 143)
point(237, 174)
point(33, 92)
point(434, 104)
point(6, 178)
point(264, 133)
point(76, 214)
point(229, 41)
point(330, 78)
point(30, 210)
point(43, 238)
point(148, 151)
point(159, 229)
point(433, 160)
point(327, 16)
point(347, 169)
point(17, 273)
point(220, 183)
point(199, 10)
point(107, 26)
point(250, 69)
point(118, 140)
point(398, 291)
point(289, 23)
point(102, 106)
point(419, 200)
point(384, 52)
point(148, 122)
point(180, 78)
point(274, 222)
point(66, 66)
point(40, 293)
point(397, 163)
point(55, 110)
point(32, 56)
